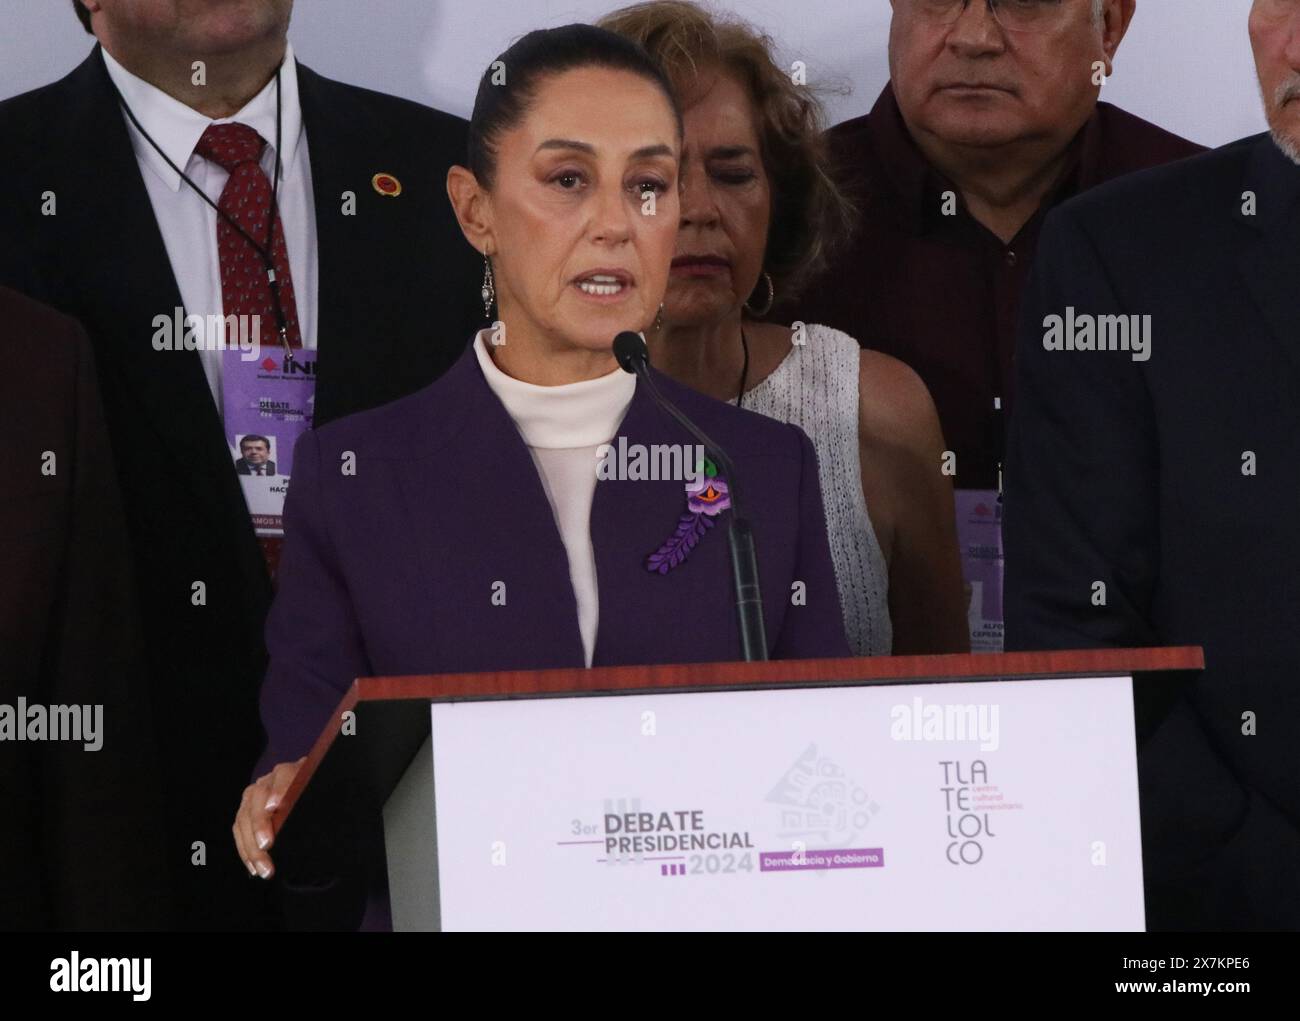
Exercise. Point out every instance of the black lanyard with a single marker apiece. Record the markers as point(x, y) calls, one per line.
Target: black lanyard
point(264, 250)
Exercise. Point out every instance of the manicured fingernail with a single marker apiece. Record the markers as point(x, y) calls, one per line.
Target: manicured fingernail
point(272, 802)
point(263, 841)
point(249, 865)
point(264, 870)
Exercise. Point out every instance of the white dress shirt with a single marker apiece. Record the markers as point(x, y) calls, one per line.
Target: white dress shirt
point(189, 225)
point(564, 427)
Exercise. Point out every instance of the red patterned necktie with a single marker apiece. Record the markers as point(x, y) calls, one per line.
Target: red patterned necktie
point(245, 289)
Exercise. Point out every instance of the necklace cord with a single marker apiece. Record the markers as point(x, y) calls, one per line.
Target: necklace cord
point(744, 369)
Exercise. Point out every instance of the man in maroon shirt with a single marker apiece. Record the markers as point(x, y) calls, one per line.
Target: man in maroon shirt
point(990, 120)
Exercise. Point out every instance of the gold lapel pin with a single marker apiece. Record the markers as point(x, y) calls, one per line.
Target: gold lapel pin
point(387, 185)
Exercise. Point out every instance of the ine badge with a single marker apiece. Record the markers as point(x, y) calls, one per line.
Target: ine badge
point(268, 405)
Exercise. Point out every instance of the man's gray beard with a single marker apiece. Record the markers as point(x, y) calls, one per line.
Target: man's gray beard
point(1290, 148)
point(1286, 92)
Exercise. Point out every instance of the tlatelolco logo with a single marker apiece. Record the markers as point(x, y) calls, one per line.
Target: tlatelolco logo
point(971, 802)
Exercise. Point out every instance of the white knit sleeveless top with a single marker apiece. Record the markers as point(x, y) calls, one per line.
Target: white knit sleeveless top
point(816, 388)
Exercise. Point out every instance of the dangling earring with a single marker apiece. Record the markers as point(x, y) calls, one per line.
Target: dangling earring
point(489, 291)
point(758, 313)
point(659, 318)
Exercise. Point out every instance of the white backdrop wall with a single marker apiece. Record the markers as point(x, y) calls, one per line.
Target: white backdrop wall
point(1186, 64)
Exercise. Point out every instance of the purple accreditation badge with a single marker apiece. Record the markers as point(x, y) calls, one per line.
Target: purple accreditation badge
point(268, 404)
point(979, 536)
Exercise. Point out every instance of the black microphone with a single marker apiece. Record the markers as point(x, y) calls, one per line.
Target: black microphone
point(630, 350)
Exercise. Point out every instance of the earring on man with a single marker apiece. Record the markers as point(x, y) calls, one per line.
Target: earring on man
point(489, 291)
point(758, 313)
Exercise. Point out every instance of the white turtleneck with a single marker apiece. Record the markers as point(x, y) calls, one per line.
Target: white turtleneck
point(563, 427)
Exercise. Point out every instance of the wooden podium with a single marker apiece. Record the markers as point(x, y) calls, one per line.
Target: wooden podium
point(370, 770)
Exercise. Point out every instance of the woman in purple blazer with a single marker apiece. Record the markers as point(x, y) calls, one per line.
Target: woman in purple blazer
point(516, 513)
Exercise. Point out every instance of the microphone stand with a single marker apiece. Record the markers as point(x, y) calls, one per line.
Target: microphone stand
point(630, 350)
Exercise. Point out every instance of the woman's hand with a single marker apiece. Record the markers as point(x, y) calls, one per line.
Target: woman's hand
point(253, 829)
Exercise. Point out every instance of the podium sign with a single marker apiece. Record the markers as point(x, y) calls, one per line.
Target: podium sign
point(997, 805)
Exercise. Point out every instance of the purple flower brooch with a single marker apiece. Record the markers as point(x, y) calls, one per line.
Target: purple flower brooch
point(706, 498)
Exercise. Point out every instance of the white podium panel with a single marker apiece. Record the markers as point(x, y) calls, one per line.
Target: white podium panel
point(975, 806)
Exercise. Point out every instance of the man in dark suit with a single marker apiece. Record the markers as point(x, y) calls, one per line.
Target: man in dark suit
point(1152, 488)
point(97, 220)
point(82, 845)
point(256, 456)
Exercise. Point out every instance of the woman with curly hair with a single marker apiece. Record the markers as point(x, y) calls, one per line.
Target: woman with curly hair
point(760, 214)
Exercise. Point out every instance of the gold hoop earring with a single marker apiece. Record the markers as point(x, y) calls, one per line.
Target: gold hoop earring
point(489, 291)
point(771, 297)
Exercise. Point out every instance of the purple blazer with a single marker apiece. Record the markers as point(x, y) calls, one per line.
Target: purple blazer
point(391, 570)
